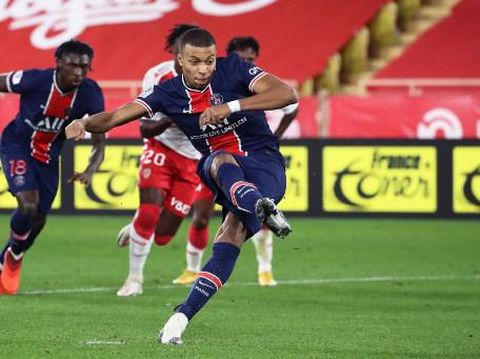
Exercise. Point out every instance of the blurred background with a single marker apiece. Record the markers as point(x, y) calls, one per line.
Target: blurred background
point(389, 115)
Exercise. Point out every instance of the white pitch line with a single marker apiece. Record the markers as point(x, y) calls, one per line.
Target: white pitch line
point(318, 281)
point(102, 342)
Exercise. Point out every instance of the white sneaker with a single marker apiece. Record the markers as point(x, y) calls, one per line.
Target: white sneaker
point(133, 286)
point(123, 237)
point(171, 332)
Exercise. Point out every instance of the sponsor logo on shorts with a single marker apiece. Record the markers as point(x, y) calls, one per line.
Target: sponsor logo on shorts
point(180, 206)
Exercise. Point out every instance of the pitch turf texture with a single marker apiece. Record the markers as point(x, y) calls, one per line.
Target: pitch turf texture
point(348, 289)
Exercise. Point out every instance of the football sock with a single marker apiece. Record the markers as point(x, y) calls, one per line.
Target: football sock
point(194, 258)
point(263, 243)
point(197, 241)
point(241, 193)
point(139, 248)
point(20, 226)
point(213, 276)
point(146, 219)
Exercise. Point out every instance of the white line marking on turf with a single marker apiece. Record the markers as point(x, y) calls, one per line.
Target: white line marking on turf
point(102, 342)
point(318, 281)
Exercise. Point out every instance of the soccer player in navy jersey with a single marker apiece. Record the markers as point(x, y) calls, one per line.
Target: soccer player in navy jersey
point(218, 104)
point(31, 143)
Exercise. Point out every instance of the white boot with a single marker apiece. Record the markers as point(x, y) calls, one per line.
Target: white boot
point(173, 329)
point(133, 286)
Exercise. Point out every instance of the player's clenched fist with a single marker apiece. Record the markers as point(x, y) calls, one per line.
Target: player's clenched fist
point(214, 114)
point(75, 130)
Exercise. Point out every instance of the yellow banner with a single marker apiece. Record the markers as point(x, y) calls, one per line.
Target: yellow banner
point(8, 201)
point(114, 186)
point(466, 179)
point(296, 195)
point(379, 179)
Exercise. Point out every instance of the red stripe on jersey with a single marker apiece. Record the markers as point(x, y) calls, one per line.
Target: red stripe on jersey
point(229, 142)
point(199, 101)
point(58, 104)
point(40, 144)
point(56, 111)
point(212, 278)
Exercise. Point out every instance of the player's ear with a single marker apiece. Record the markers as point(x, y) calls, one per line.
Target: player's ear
point(180, 59)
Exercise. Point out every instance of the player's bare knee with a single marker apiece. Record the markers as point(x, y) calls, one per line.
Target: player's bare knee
point(29, 208)
point(162, 240)
point(200, 222)
point(219, 160)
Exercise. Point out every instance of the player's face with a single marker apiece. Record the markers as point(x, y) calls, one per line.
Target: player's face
point(198, 64)
point(71, 70)
point(248, 55)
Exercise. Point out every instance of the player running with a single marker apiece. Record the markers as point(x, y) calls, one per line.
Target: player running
point(168, 184)
point(219, 105)
point(31, 144)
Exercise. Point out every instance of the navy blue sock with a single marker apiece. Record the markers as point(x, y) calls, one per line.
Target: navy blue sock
point(243, 194)
point(20, 227)
point(213, 275)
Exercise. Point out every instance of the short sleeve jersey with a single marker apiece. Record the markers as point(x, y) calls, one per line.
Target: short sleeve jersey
point(242, 132)
point(45, 111)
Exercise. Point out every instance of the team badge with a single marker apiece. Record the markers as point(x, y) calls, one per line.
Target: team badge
point(146, 173)
point(19, 180)
point(216, 99)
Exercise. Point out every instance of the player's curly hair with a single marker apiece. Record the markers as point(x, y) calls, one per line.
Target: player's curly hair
point(242, 43)
point(175, 33)
point(74, 47)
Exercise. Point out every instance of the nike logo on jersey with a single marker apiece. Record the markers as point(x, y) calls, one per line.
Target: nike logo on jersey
point(187, 110)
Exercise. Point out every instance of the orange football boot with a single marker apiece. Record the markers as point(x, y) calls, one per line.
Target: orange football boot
point(10, 277)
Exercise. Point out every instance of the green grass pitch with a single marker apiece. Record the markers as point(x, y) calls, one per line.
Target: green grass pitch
point(349, 288)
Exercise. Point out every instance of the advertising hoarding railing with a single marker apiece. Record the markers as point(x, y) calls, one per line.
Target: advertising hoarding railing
point(325, 178)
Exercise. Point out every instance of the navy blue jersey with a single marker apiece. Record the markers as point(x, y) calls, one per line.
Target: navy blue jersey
point(240, 133)
point(45, 111)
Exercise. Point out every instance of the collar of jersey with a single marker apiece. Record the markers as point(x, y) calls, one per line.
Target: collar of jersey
point(58, 87)
point(195, 90)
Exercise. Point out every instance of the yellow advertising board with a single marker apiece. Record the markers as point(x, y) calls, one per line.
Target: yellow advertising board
point(380, 179)
point(466, 179)
point(296, 195)
point(7, 201)
point(114, 185)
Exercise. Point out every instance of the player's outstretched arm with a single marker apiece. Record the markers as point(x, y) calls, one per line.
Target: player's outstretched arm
point(104, 121)
point(289, 114)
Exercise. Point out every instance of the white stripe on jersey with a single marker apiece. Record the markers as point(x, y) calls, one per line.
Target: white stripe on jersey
point(9, 76)
point(145, 105)
point(255, 79)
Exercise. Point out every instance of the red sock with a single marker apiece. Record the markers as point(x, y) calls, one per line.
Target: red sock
point(146, 219)
point(198, 237)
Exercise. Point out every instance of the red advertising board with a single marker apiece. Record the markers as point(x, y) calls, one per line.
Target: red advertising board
point(398, 116)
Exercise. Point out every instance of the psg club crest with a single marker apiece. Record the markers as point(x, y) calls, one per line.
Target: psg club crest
point(19, 181)
point(216, 99)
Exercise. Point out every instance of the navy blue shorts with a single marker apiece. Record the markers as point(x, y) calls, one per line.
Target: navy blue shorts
point(265, 169)
point(24, 173)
